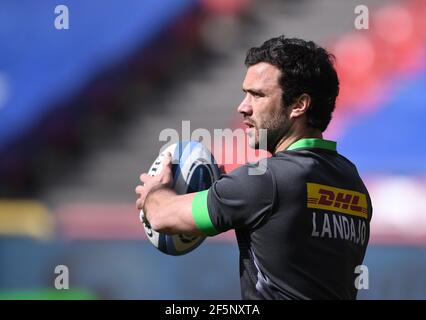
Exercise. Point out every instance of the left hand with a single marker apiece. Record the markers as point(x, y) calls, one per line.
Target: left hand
point(151, 183)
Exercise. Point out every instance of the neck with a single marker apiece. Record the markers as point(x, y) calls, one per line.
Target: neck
point(288, 140)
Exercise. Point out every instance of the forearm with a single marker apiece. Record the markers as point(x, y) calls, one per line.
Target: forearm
point(170, 213)
point(155, 203)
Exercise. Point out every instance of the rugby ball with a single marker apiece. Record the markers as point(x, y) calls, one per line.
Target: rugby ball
point(194, 169)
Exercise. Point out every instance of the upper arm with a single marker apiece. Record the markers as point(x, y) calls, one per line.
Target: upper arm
point(237, 200)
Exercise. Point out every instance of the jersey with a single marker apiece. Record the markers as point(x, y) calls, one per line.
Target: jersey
point(302, 224)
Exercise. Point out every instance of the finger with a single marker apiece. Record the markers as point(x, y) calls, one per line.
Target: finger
point(139, 203)
point(166, 174)
point(167, 159)
point(144, 177)
point(167, 163)
point(139, 189)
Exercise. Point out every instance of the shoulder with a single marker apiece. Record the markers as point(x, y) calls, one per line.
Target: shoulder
point(251, 178)
point(255, 171)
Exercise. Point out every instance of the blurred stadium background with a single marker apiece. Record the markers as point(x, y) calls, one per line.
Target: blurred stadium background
point(81, 111)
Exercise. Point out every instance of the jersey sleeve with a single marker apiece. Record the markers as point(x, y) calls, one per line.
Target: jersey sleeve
point(236, 200)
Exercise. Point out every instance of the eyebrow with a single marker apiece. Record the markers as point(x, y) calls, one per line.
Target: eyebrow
point(254, 91)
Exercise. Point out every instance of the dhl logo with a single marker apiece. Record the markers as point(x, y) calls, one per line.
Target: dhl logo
point(335, 199)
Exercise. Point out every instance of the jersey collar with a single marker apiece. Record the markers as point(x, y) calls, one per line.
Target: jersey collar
point(313, 143)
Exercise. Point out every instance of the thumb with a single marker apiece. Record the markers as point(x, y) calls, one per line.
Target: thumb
point(167, 168)
point(167, 162)
point(167, 159)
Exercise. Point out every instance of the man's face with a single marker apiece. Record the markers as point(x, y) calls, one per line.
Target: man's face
point(262, 106)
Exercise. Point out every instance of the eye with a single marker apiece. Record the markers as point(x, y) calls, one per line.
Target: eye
point(256, 94)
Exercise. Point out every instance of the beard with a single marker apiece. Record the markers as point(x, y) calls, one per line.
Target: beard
point(267, 132)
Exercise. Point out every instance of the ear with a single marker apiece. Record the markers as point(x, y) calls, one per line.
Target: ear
point(300, 106)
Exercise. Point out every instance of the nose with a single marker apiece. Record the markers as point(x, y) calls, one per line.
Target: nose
point(245, 107)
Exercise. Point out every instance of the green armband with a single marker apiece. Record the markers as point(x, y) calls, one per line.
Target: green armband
point(200, 213)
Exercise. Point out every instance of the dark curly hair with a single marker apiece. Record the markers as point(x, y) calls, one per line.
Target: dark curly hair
point(305, 68)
